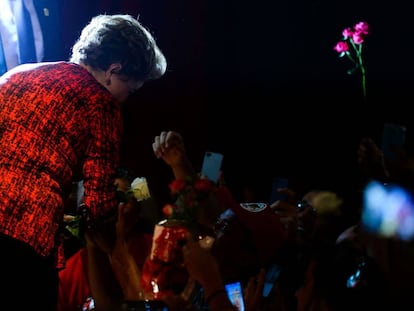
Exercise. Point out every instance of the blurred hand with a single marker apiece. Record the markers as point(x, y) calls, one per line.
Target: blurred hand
point(202, 267)
point(200, 263)
point(106, 233)
point(68, 218)
point(170, 147)
point(128, 215)
point(254, 290)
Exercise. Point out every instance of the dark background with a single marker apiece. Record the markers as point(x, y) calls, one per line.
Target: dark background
point(259, 81)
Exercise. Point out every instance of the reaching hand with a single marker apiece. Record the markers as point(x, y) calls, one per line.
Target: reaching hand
point(170, 147)
point(128, 215)
point(200, 263)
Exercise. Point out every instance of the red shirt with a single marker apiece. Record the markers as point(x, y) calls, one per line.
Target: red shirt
point(73, 282)
point(74, 287)
point(56, 122)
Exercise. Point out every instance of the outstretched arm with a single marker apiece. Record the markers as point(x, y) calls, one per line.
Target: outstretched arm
point(169, 146)
point(204, 268)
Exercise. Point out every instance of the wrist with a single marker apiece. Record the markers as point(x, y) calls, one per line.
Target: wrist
point(183, 170)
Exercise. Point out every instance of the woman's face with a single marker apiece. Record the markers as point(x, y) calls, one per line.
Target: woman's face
point(121, 87)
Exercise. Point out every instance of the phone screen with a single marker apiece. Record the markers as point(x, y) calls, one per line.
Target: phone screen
point(388, 210)
point(212, 165)
point(235, 294)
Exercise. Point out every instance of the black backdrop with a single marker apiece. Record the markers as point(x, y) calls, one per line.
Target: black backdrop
point(260, 82)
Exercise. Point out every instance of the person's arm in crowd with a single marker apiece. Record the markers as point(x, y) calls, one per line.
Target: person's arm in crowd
point(114, 275)
point(105, 289)
point(123, 263)
point(204, 268)
point(254, 299)
point(169, 146)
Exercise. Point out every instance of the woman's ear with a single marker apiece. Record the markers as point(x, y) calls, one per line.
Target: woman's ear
point(112, 69)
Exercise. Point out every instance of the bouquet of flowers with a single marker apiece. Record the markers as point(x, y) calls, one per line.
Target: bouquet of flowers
point(164, 271)
point(351, 47)
point(188, 196)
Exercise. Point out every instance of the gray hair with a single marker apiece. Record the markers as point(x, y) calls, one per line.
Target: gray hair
point(109, 39)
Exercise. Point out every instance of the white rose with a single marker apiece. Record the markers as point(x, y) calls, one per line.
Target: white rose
point(139, 188)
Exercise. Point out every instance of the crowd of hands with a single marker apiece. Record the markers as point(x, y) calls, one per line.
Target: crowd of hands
point(115, 277)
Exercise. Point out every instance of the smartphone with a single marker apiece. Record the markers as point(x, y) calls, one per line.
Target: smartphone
point(211, 166)
point(388, 210)
point(393, 135)
point(272, 275)
point(235, 294)
point(278, 182)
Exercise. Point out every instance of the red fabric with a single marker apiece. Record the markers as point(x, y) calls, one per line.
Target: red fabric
point(73, 279)
point(140, 247)
point(225, 197)
point(165, 263)
point(56, 121)
point(73, 282)
point(267, 230)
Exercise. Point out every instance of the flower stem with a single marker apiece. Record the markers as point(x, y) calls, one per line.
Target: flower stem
point(364, 88)
point(361, 66)
point(359, 63)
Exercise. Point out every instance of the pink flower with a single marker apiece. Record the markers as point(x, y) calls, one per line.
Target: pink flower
point(358, 38)
point(341, 47)
point(347, 33)
point(362, 27)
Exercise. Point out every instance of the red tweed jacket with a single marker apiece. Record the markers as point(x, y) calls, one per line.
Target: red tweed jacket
point(56, 122)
